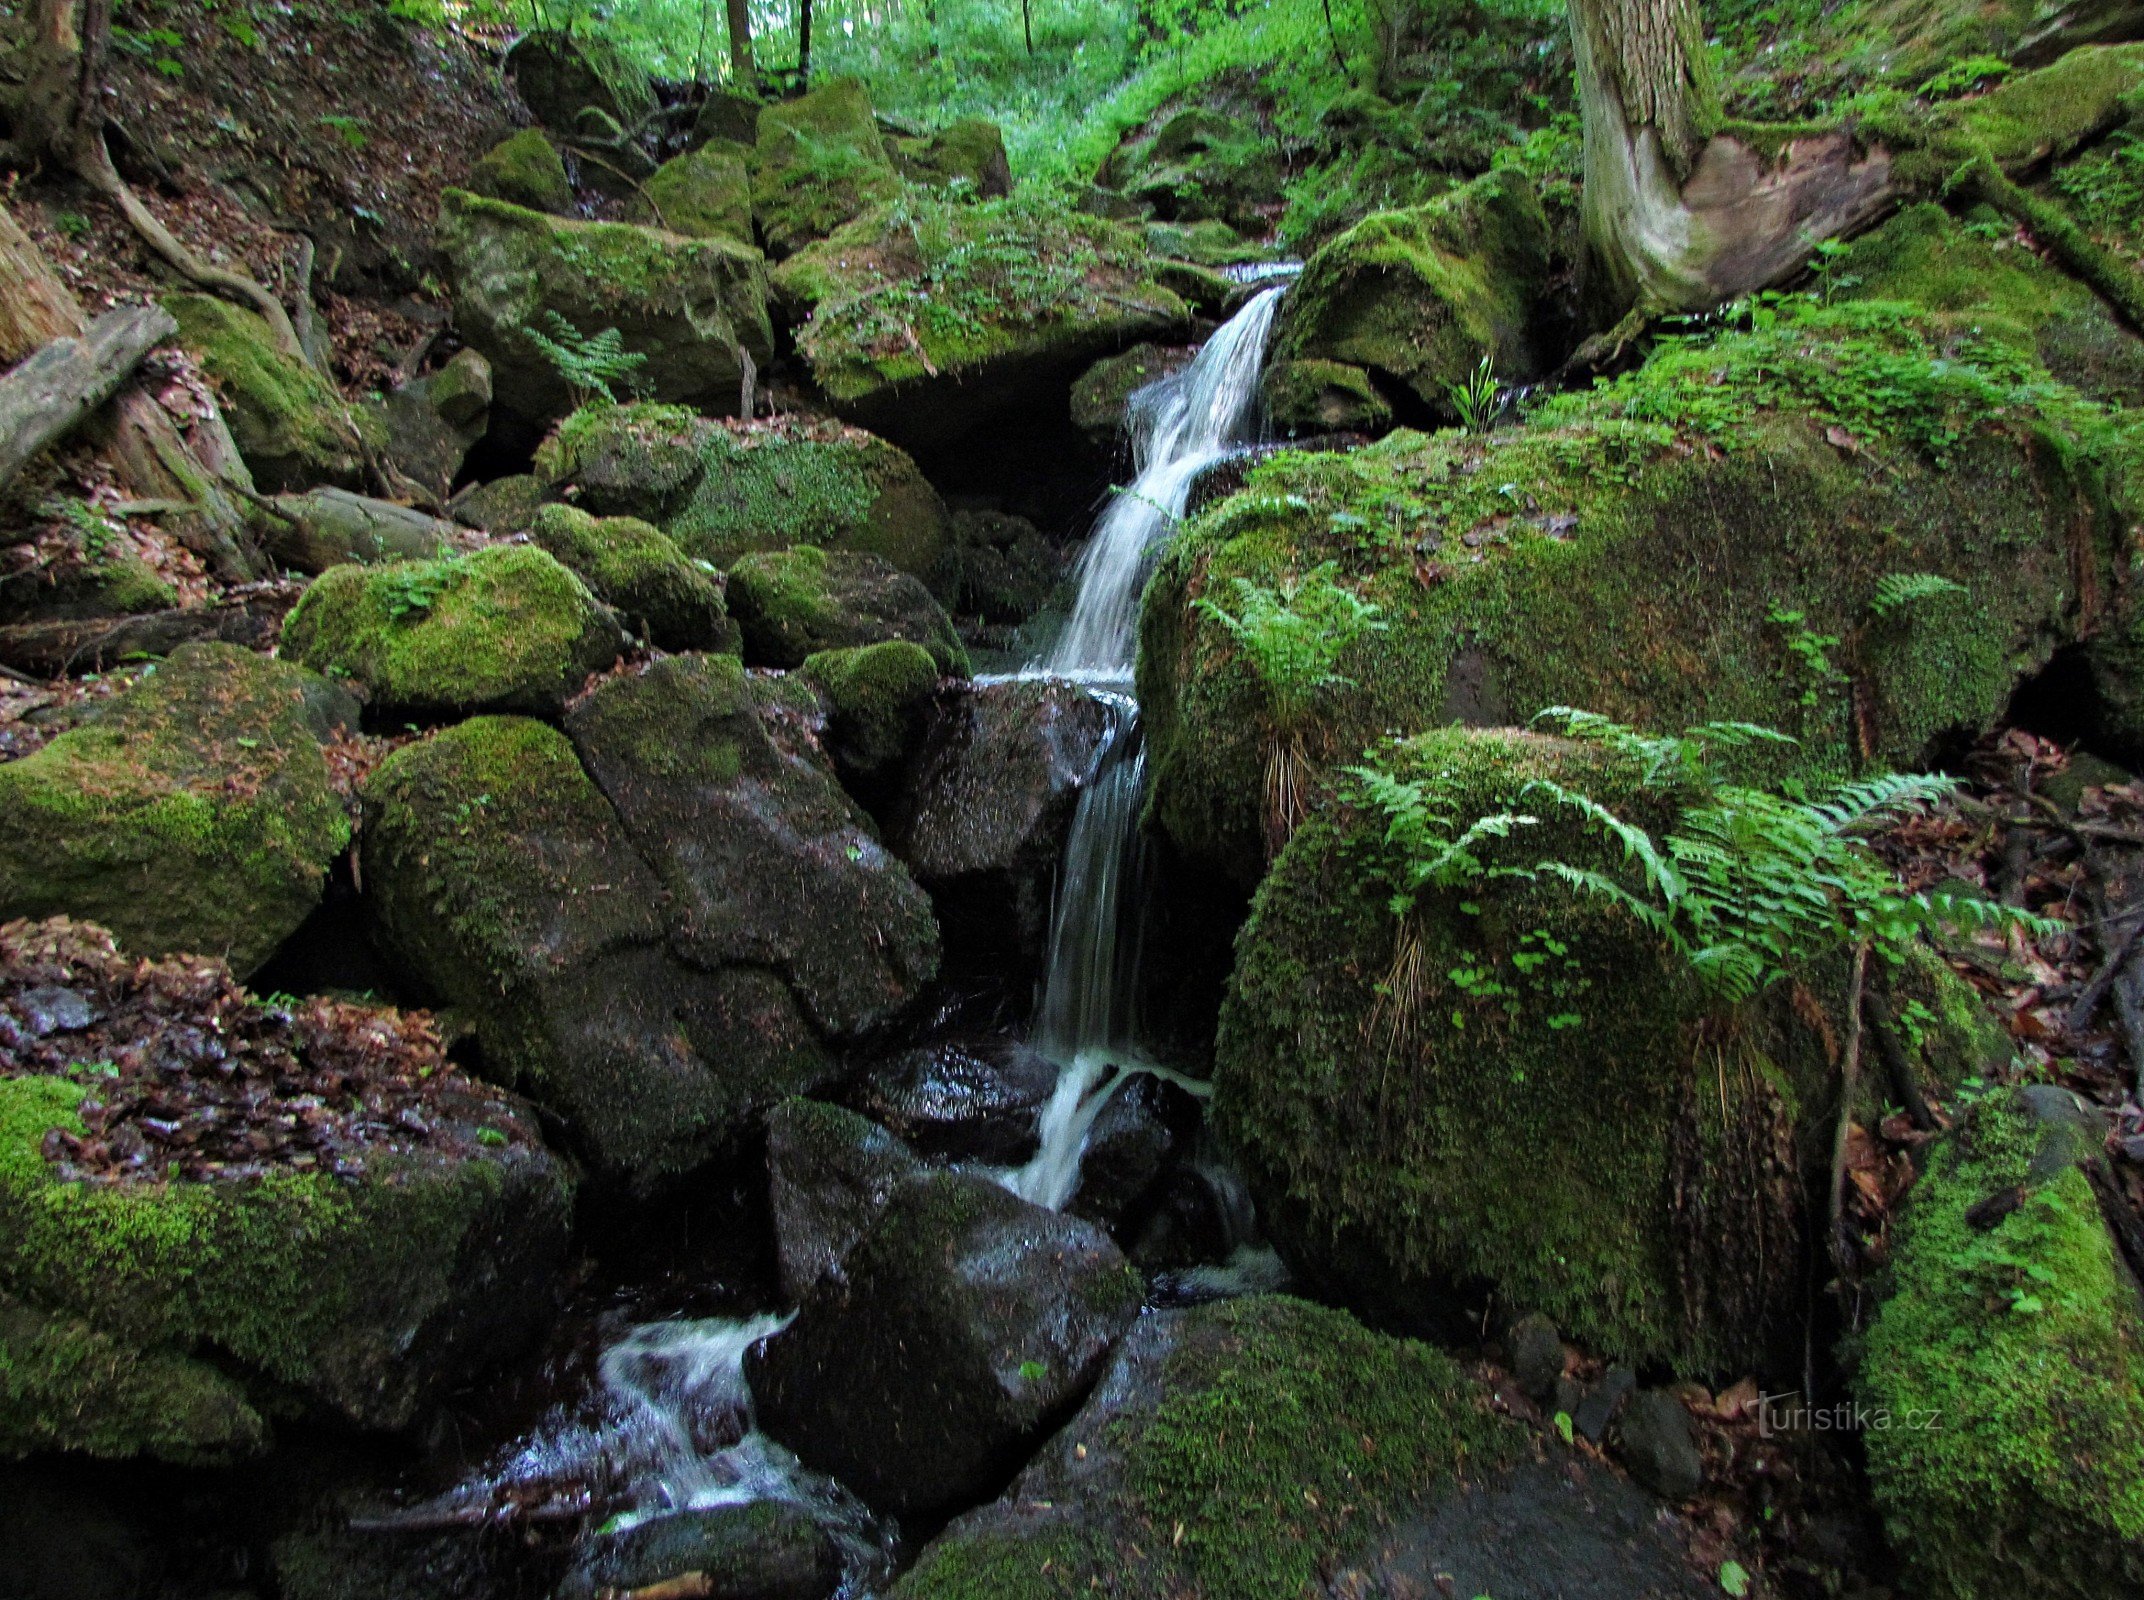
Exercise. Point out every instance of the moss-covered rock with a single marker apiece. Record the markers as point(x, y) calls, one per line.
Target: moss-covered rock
point(171, 1319)
point(765, 864)
point(507, 885)
point(290, 425)
point(560, 76)
point(525, 170)
point(830, 1173)
point(1201, 162)
point(1101, 399)
point(694, 310)
point(1008, 570)
point(877, 695)
point(1311, 397)
point(673, 600)
point(2007, 1366)
point(930, 317)
point(506, 628)
point(503, 506)
point(1518, 1087)
point(819, 161)
point(1420, 296)
point(792, 604)
point(731, 115)
point(970, 151)
point(1702, 539)
point(193, 814)
point(723, 490)
point(705, 193)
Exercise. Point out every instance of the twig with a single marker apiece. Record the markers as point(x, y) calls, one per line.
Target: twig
point(1898, 1066)
point(2095, 989)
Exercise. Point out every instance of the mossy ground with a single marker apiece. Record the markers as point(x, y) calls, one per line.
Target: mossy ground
point(2008, 1366)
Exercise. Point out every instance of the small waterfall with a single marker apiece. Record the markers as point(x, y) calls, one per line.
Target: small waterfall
point(1180, 426)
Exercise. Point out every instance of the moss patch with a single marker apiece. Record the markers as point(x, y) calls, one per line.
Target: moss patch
point(525, 170)
point(704, 194)
point(819, 162)
point(795, 603)
point(878, 694)
point(675, 601)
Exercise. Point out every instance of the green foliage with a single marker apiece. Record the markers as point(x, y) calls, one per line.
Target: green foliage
point(1294, 634)
point(350, 130)
point(2105, 186)
point(1965, 77)
point(1896, 591)
point(1475, 399)
point(590, 363)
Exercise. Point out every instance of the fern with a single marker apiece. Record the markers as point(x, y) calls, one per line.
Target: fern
point(1295, 636)
point(1901, 589)
point(590, 363)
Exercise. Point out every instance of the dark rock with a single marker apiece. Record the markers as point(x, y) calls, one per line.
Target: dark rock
point(51, 1010)
point(728, 116)
point(765, 1550)
point(1659, 1445)
point(502, 506)
point(1534, 1351)
point(1008, 570)
point(1101, 398)
point(970, 151)
point(431, 423)
point(878, 696)
point(1598, 1407)
point(561, 76)
point(983, 821)
point(829, 1174)
point(1186, 1226)
point(1132, 1143)
point(794, 603)
point(964, 1324)
point(954, 1103)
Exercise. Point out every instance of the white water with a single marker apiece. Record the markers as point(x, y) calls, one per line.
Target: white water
point(1181, 425)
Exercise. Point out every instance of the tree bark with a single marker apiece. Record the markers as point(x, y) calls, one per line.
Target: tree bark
point(46, 397)
point(803, 44)
point(739, 14)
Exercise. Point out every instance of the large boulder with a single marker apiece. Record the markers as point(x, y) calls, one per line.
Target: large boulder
point(877, 696)
point(960, 1327)
point(1008, 570)
point(795, 603)
point(1517, 1088)
point(765, 864)
point(1264, 1449)
point(982, 818)
point(704, 194)
point(1312, 397)
point(674, 601)
point(503, 881)
point(428, 426)
point(750, 1550)
point(970, 152)
point(195, 1237)
point(1201, 162)
point(1101, 399)
point(819, 161)
point(725, 489)
point(561, 76)
point(2007, 1364)
point(290, 425)
point(1086, 287)
point(505, 628)
point(194, 813)
point(693, 310)
point(1703, 539)
point(830, 1173)
point(525, 170)
point(1420, 296)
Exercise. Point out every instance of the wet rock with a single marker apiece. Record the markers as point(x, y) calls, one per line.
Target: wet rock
point(525, 170)
point(694, 310)
point(767, 1550)
point(1659, 1445)
point(1139, 1133)
point(560, 76)
point(1534, 1350)
point(818, 161)
point(194, 813)
point(1008, 570)
point(1185, 1225)
point(963, 1324)
point(1101, 399)
point(829, 1174)
point(671, 600)
point(506, 628)
point(792, 604)
point(66, 1540)
point(954, 1103)
point(1314, 397)
point(1598, 1406)
point(430, 424)
point(982, 821)
point(504, 882)
point(765, 863)
point(879, 696)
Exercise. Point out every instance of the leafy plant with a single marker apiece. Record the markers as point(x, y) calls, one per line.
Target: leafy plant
point(1813, 649)
point(348, 129)
point(1476, 399)
point(408, 589)
point(1897, 590)
point(1295, 635)
point(1966, 77)
point(590, 363)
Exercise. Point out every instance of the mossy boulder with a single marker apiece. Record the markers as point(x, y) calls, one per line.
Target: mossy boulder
point(730, 115)
point(290, 425)
point(877, 696)
point(819, 161)
point(1420, 296)
point(792, 604)
point(723, 490)
point(1008, 570)
point(561, 76)
point(1101, 399)
point(830, 1173)
point(1702, 539)
point(1312, 397)
point(1200, 162)
point(429, 425)
point(173, 1319)
point(923, 321)
point(970, 151)
point(505, 628)
point(503, 506)
point(2007, 1365)
point(193, 814)
point(674, 601)
point(956, 1332)
point(505, 883)
point(765, 864)
point(693, 310)
point(704, 194)
point(1517, 1089)
point(525, 170)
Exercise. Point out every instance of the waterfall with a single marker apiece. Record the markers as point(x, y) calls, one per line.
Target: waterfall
point(1180, 426)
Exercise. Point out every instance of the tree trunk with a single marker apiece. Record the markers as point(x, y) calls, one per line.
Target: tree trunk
point(804, 44)
point(739, 13)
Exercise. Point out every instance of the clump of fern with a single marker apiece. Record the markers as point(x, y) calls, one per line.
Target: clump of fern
point(1294, 636)
point(1897, 591)
point(594, 366)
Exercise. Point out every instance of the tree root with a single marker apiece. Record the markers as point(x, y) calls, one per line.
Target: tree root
point(2119, 285)
point(1849, 1090)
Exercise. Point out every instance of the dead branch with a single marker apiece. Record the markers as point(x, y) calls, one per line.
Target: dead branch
point(46, 397)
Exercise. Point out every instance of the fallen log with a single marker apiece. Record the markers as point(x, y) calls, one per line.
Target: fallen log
point(325, 528)
point(51, 649)
point(48, 395)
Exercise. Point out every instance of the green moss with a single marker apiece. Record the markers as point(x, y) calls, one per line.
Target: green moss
point(525, 170)
point(1310, 397)
point(819, 162)
point(194, 814)
point(504, 628)
point(1102, 396)
point(704, 194)
point(877, 694)
point(289, 423)
point(970, 151)
point(1635, 551)
point(675, 601)
point(795, 603)
point(2008, 1366)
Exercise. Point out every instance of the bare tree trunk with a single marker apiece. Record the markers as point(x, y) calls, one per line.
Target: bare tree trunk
point(739, 13)
point(804, 44)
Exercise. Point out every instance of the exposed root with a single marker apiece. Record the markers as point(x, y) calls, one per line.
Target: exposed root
point(1287, 790)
